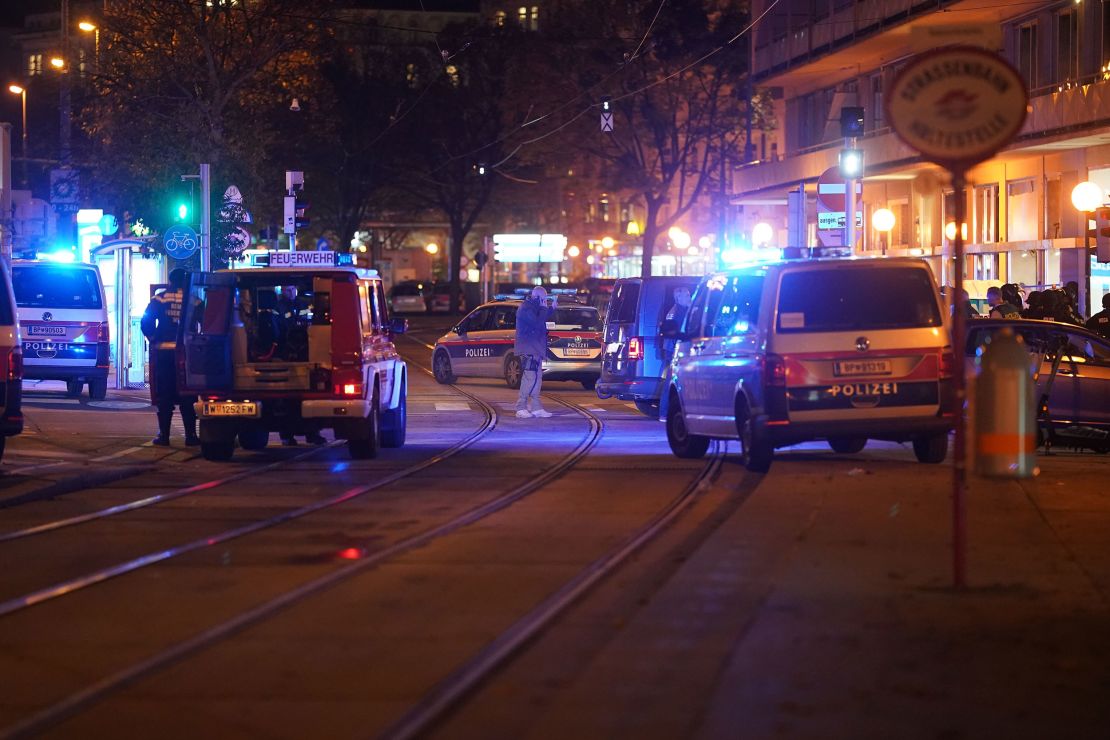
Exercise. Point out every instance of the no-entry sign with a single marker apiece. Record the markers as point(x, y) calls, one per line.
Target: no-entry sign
point(832, 189)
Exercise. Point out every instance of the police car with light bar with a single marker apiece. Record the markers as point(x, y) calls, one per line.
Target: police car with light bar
point(305, 343)
point(481, 345)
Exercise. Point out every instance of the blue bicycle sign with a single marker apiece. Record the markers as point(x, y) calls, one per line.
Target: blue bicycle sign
point(180, 242)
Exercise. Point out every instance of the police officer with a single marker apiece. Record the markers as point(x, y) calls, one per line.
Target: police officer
point(159, 325)
point(530, 347)
point(1099, 323)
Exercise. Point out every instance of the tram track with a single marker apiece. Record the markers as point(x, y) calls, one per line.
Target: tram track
point(453, 688)
point(73, 703)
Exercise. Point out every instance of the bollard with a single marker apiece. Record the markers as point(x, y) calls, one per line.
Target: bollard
point(1005, 414)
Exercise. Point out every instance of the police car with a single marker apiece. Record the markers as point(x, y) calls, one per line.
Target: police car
point(481, 345)
point(302, 344)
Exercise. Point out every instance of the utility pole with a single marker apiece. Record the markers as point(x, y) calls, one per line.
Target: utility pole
point(205, 215)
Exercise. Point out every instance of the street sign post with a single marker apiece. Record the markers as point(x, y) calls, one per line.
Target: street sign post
point(957, 106)
point(180, 241)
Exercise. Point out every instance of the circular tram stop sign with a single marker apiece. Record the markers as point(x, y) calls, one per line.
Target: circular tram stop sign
point(957, 105)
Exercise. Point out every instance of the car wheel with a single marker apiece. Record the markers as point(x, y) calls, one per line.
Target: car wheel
point(589, 384)
point(441, 368)
point(683, 444)
point(932, 449)
point(514, 372)
point(73, 388)
point(366, 447)
point(847, 445)
point(394, 422)
point(648, 408)
point(254, 440)
point(217, 451)
point(755, 451)
point(98, 388)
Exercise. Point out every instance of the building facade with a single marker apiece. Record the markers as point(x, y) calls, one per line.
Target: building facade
point(1021, 225)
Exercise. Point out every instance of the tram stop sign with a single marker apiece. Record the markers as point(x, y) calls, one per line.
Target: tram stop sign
point(958, 105)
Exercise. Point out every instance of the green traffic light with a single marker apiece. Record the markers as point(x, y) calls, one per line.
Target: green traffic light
point(182, 211)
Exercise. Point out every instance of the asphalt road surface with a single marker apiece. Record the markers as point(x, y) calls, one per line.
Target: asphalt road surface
point(539, 578)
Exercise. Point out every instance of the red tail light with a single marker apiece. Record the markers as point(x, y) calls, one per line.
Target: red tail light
point(947, 364)
point(102, 332)
point(347, 383)
point(635, 348)
point(774, 370)
point(15, 364)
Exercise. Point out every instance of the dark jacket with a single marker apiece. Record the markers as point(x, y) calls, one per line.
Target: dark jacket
point(160, 320)
point(531, 328)
point(1100, 323)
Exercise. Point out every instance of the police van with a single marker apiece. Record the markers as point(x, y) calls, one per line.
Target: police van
point(64, 318)
point(11, 363)
point(481, 345)
point(297, 345)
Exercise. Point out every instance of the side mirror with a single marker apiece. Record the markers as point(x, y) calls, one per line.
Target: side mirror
point(459, 329)
point(398, 326)
point(669, 329)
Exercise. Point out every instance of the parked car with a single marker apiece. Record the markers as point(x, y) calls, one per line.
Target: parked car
point(324, 360)
point(840, 350)
point(439, 299)
point(635, 353)
point(1078, 400)
point(63, 317)
point(481, 345)
point(408, 298)
point(11, 363)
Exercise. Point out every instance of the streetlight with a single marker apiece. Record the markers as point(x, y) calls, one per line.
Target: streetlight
point(94, 29)
point(883, 221)
point(1086, 197)
point(22, 93)
point(762, 233)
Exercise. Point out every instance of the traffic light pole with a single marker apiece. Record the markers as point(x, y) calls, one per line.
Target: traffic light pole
point(205, 219)
point(850, 204)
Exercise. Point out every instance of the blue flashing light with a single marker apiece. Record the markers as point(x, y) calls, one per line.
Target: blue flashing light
point(64, 256)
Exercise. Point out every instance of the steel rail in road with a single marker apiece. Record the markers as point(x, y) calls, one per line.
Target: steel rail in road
point(149, 500)
point(462, 682)
point(55, 713)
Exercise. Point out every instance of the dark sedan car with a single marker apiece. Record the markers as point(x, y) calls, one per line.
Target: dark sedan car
point(1079, 396)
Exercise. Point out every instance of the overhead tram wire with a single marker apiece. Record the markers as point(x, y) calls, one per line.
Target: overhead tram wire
point(593, 87)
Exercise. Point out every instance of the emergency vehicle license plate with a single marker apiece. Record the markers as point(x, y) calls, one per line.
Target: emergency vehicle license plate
point(46, 331)
point(230, 408)
point(862, 367)
point(571, 352)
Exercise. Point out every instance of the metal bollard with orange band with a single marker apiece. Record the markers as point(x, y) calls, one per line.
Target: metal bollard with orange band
point(1005, 414)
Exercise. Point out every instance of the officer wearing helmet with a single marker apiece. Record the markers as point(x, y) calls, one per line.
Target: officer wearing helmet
point(159, 325)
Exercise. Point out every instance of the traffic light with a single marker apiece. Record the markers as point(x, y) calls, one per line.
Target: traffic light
point(181, 206)
point(1102, 233)
point(851, 164)
point(851, 121)
point(300, 205)
point(606, 104)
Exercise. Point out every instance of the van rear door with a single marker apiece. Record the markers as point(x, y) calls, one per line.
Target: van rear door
point(204, 337)
point(620, 325)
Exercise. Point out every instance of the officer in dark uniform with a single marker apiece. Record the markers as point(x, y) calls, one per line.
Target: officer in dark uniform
point(159, 325)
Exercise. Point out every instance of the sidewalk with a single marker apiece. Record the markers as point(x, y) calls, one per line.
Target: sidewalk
point(861, 635)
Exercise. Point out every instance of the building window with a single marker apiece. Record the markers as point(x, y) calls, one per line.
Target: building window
point(877, 102)
point(534, 19)
point(522, 16)
point(1021, 211)
point(1027, 55)
point(34, 65)
point(986, 214)
point(603, 208)
point(499, 19)
point(1067, 46)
